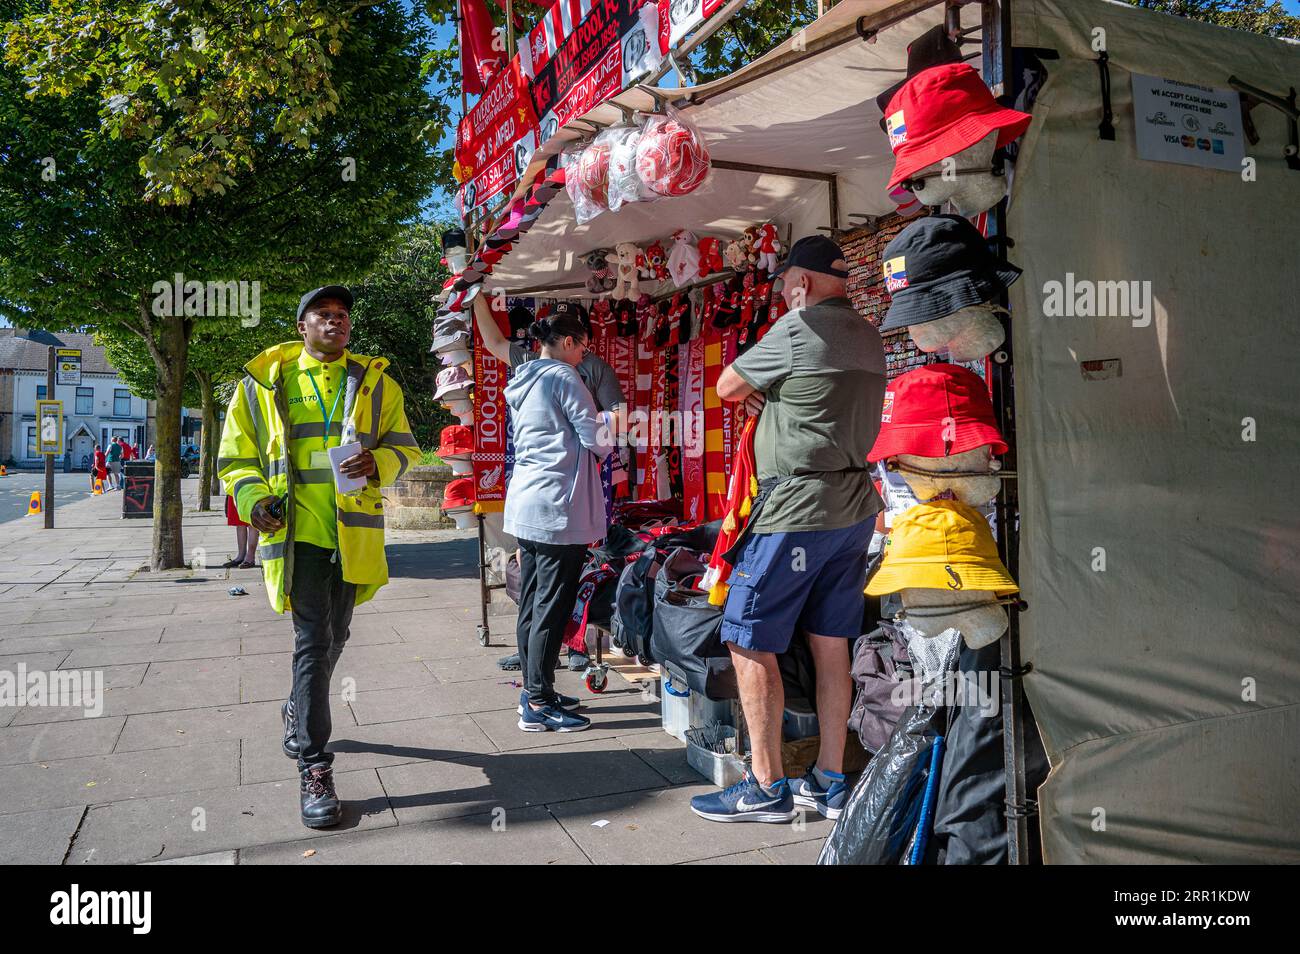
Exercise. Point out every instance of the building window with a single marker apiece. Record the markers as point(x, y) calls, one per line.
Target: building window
point(121, 402)
point(31, 442)
point(85, 401)
point(40, 392)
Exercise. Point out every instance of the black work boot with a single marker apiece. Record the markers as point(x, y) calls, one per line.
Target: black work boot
point(290, 744)
point(320, 803)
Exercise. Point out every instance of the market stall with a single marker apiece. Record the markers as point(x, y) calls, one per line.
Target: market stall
point(797, 142)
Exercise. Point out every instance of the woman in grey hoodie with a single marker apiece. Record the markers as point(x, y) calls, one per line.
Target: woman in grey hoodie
point(554, 507)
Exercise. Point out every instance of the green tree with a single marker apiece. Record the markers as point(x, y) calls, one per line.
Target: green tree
point(216, 357)
point(99, 211)
point(1268, 17)
point(393, 317)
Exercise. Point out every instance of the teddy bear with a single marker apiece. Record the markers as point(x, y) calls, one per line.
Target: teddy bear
point(710, 257)
point(624, 258)
point(601, 278)
point(735, 254)
point(766, 245)
point(656, 262)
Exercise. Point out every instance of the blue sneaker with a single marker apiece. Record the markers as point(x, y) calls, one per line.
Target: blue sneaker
point(567, 703)
point(829, 802)
point(551, 719)
point(747, 802)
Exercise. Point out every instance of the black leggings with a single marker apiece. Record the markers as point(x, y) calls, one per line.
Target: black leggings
point(548, 588)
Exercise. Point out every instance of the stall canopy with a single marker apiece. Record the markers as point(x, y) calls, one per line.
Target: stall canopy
point(1160, 537)
point(816, 115)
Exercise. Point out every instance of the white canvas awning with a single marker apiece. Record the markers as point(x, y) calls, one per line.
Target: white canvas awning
point(817, 115)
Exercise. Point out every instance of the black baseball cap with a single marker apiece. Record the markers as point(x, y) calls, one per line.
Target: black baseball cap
point(934, 47)
point(340, 292)
point(816, 253)
point(940, 264)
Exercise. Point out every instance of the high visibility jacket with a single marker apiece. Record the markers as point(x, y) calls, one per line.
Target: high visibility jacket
point(256, 455)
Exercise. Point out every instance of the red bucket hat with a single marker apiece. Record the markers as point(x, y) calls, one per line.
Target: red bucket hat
point(458, 493)
point(457, 441)
point(935, 411)
point(941, 111)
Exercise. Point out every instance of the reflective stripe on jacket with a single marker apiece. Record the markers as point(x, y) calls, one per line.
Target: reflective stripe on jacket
point(254, 463)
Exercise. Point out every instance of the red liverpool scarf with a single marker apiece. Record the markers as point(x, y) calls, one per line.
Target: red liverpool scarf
point(740, 498)
point(691, 389)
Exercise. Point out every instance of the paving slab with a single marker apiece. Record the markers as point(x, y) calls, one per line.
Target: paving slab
point(661, 829)
point(419, 702)
point(267, 676)
point(445, 738)
point(218, 818)
point(105, 778)
point(530, 833)
point(211, 858)
point(150, 652)
point(182, 684)
point(46, 660)
point(41, 644)
point(476, 784)
point(182, 727)
point(613, 714)
point(800, 853)
point(665, 754)
point(59, 740)
point(38, 838)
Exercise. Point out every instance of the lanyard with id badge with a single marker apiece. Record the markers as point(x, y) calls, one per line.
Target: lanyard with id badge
point(332, 457)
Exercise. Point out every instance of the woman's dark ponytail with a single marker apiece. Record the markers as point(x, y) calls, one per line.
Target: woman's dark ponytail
point(553, 329)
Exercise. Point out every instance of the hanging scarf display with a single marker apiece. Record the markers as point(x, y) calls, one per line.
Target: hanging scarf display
point(715, 462)
point(691, 391)
point(645, 360)
point(491, 427)
point(741, 491)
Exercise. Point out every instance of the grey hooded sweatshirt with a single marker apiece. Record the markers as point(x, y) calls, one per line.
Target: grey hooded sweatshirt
point(554, 495)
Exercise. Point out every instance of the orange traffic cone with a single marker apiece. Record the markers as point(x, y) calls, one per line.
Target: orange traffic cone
point(3, 472)
point(34, 505)
point(99, 488)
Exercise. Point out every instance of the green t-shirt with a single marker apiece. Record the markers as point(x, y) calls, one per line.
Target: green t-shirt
point(314, 507)
point(114, 452)
point(822, 370)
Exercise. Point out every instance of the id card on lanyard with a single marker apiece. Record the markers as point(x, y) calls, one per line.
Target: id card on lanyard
point(320, 459)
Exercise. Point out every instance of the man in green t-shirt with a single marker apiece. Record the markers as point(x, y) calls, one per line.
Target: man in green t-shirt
point(818, 376)
point(114, 464)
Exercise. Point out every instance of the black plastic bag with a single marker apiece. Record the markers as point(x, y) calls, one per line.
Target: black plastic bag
point(879, 819)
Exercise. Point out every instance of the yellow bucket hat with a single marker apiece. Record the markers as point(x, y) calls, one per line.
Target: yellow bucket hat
point(941, 545)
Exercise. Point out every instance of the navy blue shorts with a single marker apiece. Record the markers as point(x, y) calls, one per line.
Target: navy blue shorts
point(811, 579)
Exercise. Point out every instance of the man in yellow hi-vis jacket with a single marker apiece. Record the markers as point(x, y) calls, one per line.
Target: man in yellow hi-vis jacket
point(322, 551)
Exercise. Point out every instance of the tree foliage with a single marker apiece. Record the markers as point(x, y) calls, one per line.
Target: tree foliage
point(88, 236)
point(1268, 17)
point(393, 316)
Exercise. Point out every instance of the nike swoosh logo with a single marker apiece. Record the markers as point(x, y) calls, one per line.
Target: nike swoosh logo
point(746, 806)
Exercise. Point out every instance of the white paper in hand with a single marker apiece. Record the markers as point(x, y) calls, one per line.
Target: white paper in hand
point(338, 455)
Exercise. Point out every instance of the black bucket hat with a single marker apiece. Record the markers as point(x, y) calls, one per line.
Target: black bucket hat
point(938, 265)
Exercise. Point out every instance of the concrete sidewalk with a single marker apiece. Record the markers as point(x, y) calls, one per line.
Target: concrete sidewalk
point(184, 763)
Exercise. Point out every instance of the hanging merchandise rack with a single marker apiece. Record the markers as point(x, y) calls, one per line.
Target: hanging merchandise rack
point(1088, 407)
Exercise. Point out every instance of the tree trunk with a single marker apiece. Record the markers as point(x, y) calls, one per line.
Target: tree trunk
point(170, 352)
point(208, 449)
